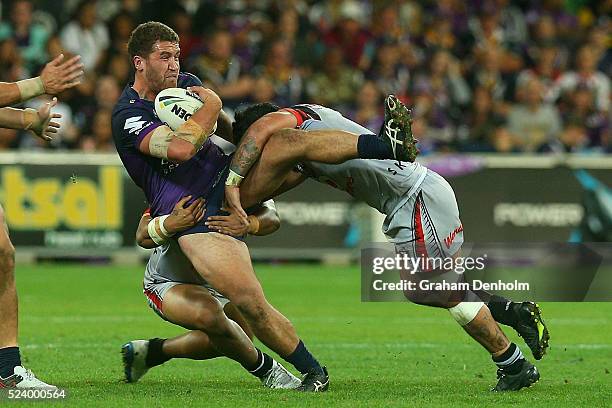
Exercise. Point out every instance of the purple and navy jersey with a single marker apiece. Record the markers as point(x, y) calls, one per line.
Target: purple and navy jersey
point(163, 182)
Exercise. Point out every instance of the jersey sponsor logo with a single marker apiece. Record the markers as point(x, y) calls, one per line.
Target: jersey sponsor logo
point(448, 241)
point(538, 214)
point(134, 124)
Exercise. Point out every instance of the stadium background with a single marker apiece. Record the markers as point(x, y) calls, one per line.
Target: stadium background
point(495, 77)
point(511, 103)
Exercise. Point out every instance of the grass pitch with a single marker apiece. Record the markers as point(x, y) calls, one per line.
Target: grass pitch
point(74, 319)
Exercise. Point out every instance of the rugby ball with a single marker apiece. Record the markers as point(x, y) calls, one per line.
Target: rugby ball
point(174, 106)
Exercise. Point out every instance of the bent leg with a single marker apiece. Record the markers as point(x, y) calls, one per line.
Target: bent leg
point(196, 345)
point(289, 147)
point(193, 307)
point(233, 276)
point(485, 330)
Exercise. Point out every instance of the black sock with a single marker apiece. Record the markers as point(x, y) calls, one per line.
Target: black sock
point(302, 360)
point(372, 147)
point(263, 365)
point(511, 360)
point(502, 310)
point(9, 359)
point(155, 354)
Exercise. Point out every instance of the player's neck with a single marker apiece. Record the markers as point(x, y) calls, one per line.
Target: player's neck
point(144, 92)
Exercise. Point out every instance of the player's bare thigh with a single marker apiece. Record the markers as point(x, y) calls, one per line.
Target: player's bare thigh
point(225, 263)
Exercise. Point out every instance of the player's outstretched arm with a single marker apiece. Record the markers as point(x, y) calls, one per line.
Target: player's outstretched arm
point(249, 150)
point(183, 143)
point(38, 121)
point(56, 76)
point(153, 232)
point(263, 220)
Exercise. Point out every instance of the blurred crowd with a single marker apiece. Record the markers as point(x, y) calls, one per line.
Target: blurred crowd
point(480, 75)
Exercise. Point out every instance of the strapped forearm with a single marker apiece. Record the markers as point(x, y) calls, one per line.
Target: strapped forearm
point(192, 132)
point(20, 91)
point(30, 88)
point(157, 232)
point(162, 137)
point(13, 118)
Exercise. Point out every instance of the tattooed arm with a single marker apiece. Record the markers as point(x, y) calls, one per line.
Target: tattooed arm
point(249, 150)
point(255, 139)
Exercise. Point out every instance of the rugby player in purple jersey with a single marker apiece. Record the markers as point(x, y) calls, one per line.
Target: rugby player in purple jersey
point(168, 165)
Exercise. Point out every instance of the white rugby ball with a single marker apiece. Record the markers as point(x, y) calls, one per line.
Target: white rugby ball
point(174, 106)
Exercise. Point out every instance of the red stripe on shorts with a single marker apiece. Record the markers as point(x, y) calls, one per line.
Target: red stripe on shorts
point(421, 248)
point(153, 297)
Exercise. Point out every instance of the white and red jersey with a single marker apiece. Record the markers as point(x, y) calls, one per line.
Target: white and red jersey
point(383, 184)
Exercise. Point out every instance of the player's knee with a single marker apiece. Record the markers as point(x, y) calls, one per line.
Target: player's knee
point(416, 296)
point(432, 298)
point(208, 318)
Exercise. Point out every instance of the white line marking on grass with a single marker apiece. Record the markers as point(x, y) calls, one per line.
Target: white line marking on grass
point(582, 346)
point(342, 345)
point(442, 320)
point(83, 319)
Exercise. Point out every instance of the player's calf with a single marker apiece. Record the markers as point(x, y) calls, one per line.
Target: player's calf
point(141, 355)
point(514, 371)
point(526, 319)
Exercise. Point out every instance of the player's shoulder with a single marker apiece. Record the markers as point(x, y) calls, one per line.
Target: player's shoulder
point(129, 99)
point(186, 79)
point(130, 104)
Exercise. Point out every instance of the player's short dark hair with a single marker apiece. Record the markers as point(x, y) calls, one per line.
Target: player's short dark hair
point(146, 34)
point(244, 118)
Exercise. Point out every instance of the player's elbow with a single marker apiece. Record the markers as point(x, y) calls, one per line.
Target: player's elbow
point(275, 225)
point(181, 151)
point(143, 240)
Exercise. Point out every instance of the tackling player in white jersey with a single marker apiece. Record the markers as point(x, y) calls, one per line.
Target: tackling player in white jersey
point(179, 295)
point(422, 216)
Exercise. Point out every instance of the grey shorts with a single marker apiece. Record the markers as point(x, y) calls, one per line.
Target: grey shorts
point(155, 291)
point(427, 224)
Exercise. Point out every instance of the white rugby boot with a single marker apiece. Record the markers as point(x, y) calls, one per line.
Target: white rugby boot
point(24, 378)
point(279, 377)
point(134, 359)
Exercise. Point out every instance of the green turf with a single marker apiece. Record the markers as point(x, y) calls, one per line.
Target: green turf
point(75, 318)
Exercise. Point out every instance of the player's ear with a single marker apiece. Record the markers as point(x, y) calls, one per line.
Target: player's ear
point(138, 62)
